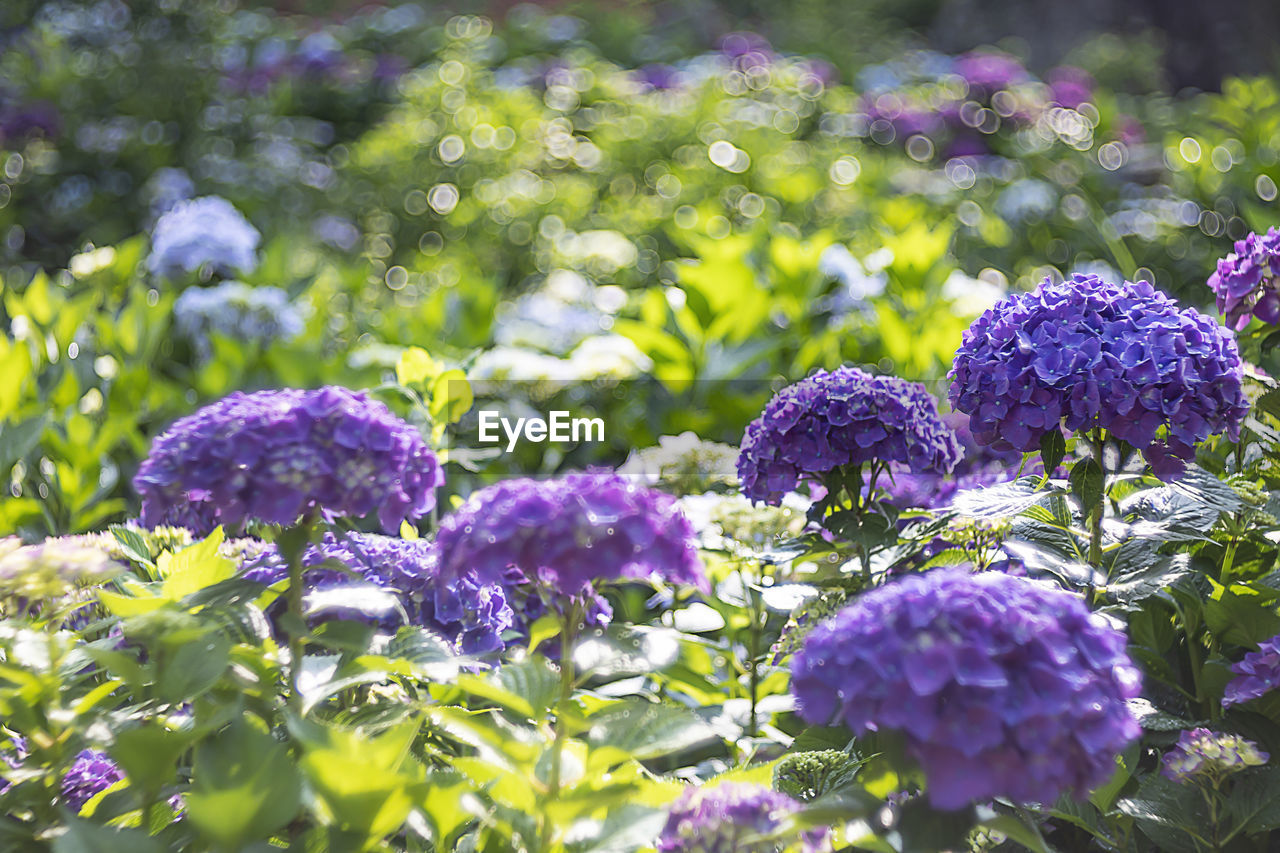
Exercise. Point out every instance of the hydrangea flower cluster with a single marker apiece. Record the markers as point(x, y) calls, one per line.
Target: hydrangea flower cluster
point(1087, 353)
point(470, 614)
point(1000, 686)
point(1204, 755)
point(960, 102)
point(1247, 281)
point(566, 533)
point(91, 773)
point(54, 568)
point(250, 315)
point(1257, 674)
point(205, 231)
point(274, 455)
point(732, 818)
point(847, 417)
point(684, 464)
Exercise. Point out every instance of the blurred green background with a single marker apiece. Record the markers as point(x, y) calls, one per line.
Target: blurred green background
point(671, 194)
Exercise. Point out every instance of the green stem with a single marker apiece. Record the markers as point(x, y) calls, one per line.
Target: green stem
point(568, 633)
point(293, 548)
point(1095, 518)
point(754, 651)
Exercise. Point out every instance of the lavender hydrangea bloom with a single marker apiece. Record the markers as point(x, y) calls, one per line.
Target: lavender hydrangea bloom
point(1247, 280)
point(254, 315)
point(274, 455)
point(1256, 675)
point(1087, 353)
point(471, 614)
point(989, 72)
point(91, 773)
point(1202, 754)
point(732, 818)
point(203, 231)
point(846, 417)
point(566, 533)
point(1000, 686)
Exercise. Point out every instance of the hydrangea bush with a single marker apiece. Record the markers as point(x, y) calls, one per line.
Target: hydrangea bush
point(583, 661)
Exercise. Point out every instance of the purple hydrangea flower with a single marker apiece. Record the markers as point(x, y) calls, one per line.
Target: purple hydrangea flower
point(91, 773)
point(847, 417)
point(747, 51)
point(470, 614)
point(1000, 686)
point(1258, 673)
point(732, 817)
point(1202, 754)
point(659, 76)
point(274, 455)
point(1087, 353)
point(1247, 280)
point(1070, 86)
point(989, 72)
point(566, 533)
point(206, 231)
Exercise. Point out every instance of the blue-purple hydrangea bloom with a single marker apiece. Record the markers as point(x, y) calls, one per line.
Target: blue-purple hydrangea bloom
point(832, 420)
point(202, 232)
point(273, 455)
point(1000, 686)
point(91, 773)
point(248, 315)
point(1203, 754)
point(471, 615)
point(1087, 354)
point(1257, 674)
point(1246, 280)
point(732, 817)
point(567, 532)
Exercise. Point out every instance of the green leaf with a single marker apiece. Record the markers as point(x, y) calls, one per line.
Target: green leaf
point(529, 688)
point(195, 567)
point(1052, 448)
point(193, 668)
point(451, 396)
point(1160, 574)
point(17, 440)
point(84, 837)
point(133, 543)
point(1253, 806)
point(624, 829)
point(149, 756)
point(1086, 484)
point(999, 501)
point(639, 729)
point(1167, 813)
point(369, 784)
point(245, 785)
point(1245, 620)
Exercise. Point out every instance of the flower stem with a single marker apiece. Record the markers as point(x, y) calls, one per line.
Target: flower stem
point(1095, 519)
point(293, 545)
point(568, 633)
